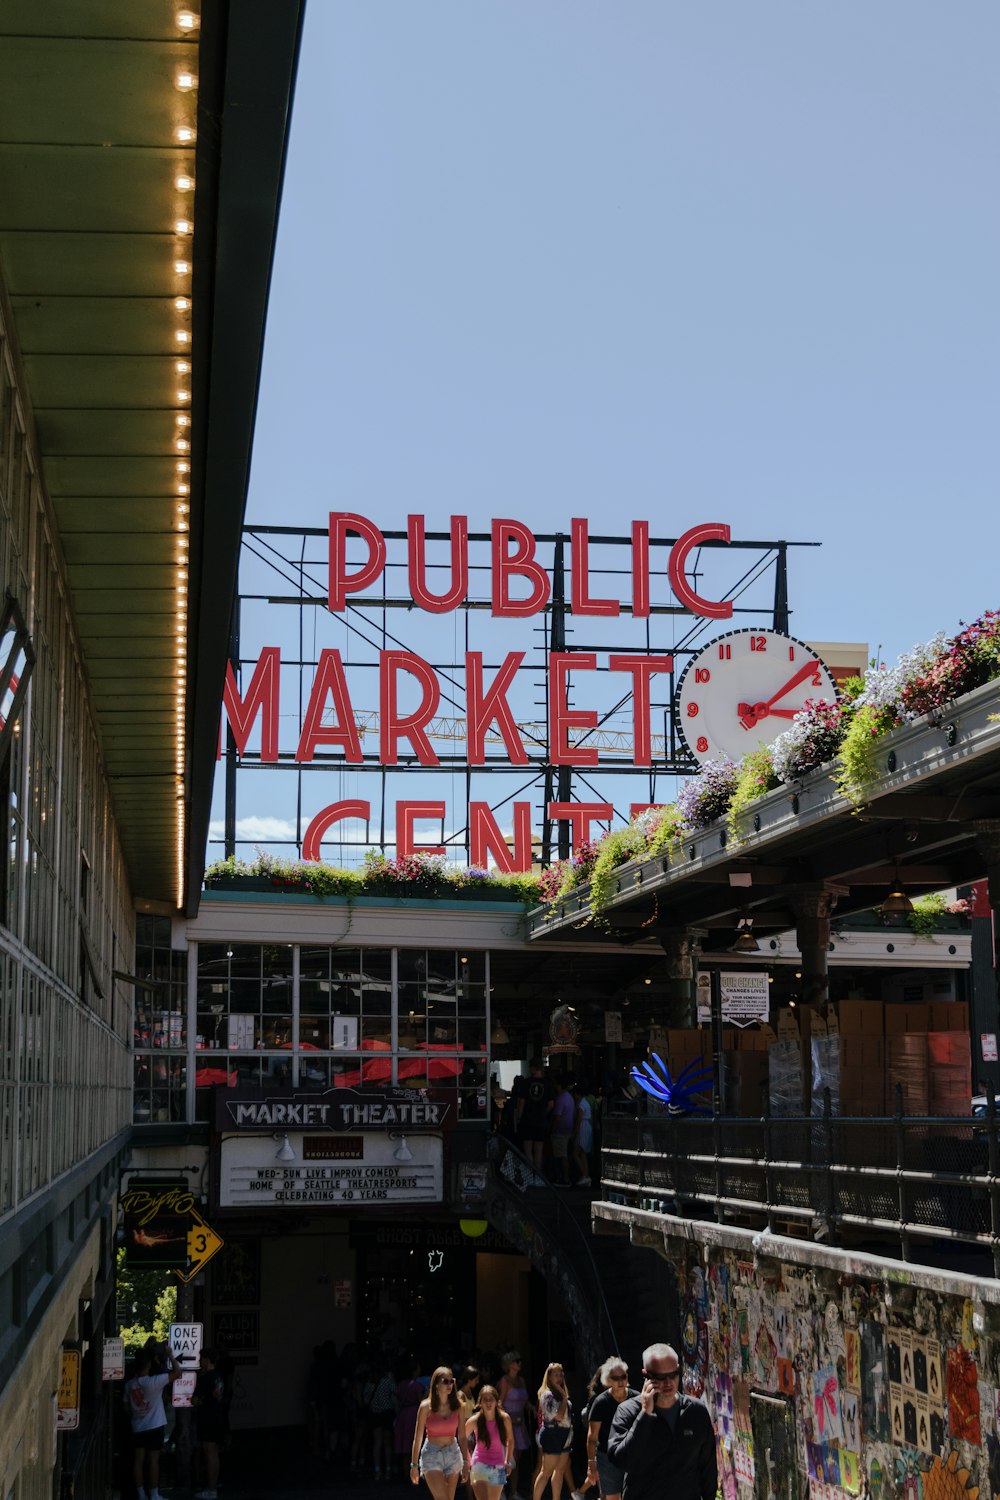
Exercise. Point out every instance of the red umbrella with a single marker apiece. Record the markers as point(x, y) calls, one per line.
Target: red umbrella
point(204, 1077)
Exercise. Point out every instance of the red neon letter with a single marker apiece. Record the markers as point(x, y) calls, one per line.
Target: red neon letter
point(330, 679)
point(406, 815)
point(343, 583)
point(438, 604)
point(326, 819)
point(561, 718)
point(640, 570)
point(580, 556)
point(523, 562)
point(482, 708)
point(262, 698)
point(642, 669)
point(580, 815)
point(393, 726)
point(485, 839)
point(710, 531)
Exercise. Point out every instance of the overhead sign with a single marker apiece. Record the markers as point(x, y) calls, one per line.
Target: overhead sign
point(393, 700)
point(157, 1217)
point(164, 1230)
point(68, 1397)
point(403, 1169)
point(745, 997)
point(337, 1109)
point(113, 1359)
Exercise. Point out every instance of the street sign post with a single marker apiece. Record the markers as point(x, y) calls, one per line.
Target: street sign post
point(202, 1244)
point(113, 1359)
point(68, 1399)
point(185, 1345)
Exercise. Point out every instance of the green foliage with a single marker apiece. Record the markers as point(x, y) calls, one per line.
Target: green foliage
point(522, 887)
point(615, 850)
point(149, 1298)
point(923, 920)
point(756, 776)
point(327, 880)
point(859, 765)
point(668, 832)
point(411, 876)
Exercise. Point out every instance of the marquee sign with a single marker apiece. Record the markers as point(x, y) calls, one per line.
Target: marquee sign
point(341, 1109)
point(587, 687)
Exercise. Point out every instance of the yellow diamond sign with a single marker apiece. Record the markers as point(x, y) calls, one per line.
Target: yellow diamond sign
point(202, 1244)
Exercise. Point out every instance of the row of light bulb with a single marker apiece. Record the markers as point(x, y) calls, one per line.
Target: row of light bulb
point(185, 134)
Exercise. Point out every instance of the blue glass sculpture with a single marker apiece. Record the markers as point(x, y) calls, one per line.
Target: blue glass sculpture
point(676, 1093)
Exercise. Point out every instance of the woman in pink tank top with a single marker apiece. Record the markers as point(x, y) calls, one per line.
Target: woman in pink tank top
point(492, 1432)
point(440, 1451)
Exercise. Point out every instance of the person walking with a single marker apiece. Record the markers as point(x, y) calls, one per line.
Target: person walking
point(663, 1441)
point(555, 1434)
point(612, 1389)
point(583, 1135)
point(382, 1418)
point(144, 1404)
point(515, 1400)
point(563, 1117)
point(534, 1106)
point(409, 1394)
point(490, 1435)
point(440, 1452)
point(209, 1402)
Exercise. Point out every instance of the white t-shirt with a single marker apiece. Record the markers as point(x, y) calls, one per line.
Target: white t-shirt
point(144, 1401)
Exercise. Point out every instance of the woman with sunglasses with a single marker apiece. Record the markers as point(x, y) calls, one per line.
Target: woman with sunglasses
point(440, 1451)
point(555, 1435)
point(490, 1430)
point(612, 1377)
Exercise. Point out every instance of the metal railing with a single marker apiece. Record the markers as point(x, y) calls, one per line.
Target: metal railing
point(532, 1213)
point(839, 1179)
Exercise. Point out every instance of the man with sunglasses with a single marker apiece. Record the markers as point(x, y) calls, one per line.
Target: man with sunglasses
point(663, 1440)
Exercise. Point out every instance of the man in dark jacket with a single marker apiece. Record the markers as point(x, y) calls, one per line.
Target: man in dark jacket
point(664, 1441)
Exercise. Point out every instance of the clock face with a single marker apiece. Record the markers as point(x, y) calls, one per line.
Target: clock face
point(744, 689)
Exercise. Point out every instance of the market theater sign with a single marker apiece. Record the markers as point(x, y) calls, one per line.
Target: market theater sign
point(337, 1109)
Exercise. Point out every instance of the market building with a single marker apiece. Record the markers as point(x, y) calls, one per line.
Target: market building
point(141, 152)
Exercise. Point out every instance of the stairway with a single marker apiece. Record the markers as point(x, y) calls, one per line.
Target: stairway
point(551, 1226)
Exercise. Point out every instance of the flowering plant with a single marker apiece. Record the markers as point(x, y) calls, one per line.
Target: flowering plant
point(893, 691)
point(423, 873)
point(815, 736)
point(706, 797)
point(550, 881)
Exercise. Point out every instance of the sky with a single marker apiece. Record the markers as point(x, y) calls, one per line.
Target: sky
point(556, 258)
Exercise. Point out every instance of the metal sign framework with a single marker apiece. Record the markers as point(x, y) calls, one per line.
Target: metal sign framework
point(369, 622)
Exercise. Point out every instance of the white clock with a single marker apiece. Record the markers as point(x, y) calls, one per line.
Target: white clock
point(744, 689)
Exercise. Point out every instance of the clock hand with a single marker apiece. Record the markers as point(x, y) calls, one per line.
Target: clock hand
point(751, 714)
point(793, 682)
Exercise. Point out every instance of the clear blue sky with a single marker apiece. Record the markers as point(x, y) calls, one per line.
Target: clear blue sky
point(546, 258)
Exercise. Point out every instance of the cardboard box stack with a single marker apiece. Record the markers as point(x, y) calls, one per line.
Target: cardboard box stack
point(862, 1056)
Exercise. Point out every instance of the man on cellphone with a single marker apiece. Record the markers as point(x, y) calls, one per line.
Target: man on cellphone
point(663, 1440)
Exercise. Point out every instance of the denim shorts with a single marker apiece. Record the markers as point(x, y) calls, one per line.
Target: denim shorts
point(489, 1474)
point(446, 1459)
point(611, 1477)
